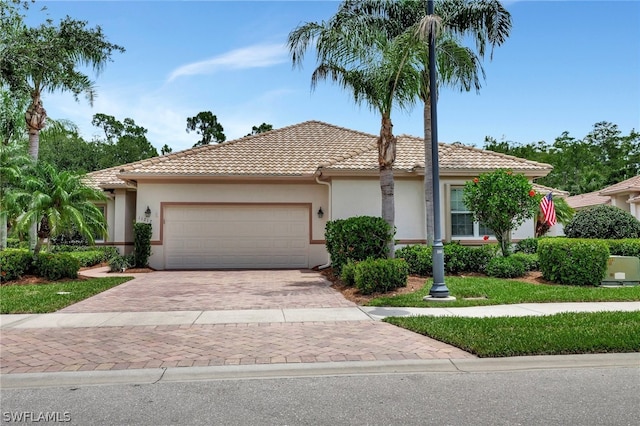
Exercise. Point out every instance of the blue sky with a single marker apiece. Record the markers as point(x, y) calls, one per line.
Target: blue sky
point(566, 66)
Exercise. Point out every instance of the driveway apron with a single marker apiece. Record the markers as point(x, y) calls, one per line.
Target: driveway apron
point(197, 343)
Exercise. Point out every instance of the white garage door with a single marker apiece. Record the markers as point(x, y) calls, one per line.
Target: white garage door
point(232, 236)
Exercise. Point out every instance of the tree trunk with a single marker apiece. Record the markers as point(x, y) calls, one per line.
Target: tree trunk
point(35, 117)
point(428, 178)
point(3, 230)
point(386, 158)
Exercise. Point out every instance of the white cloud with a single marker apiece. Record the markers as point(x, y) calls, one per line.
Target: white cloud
point(256, 56)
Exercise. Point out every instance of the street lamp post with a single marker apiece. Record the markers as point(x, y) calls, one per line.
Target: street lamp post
point(439, 289)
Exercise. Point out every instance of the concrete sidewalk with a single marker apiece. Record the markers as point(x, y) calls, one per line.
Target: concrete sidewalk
point(274, 316)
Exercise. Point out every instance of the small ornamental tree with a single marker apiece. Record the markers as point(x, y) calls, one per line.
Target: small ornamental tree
point(502, 201)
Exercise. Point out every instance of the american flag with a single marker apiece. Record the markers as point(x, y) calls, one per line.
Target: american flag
point(548, 209)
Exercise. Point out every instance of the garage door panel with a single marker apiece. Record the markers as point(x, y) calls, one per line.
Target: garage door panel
point(210, 237)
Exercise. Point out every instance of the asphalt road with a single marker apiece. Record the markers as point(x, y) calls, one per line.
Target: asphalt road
point(573, 396)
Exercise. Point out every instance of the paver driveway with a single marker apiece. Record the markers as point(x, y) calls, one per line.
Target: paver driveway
point(53, 348)
point(214, 290)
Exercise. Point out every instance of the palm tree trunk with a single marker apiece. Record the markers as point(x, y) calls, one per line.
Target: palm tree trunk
point(35, 117)
point(386, 158)
point(3, 230)
point(428, 178)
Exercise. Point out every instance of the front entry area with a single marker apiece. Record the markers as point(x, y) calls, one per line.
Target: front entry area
point(236, 236)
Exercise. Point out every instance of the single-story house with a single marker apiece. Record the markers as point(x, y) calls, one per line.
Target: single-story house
point(263, 201)
point(625, 195)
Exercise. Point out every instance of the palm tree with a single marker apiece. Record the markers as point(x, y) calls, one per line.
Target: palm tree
point(47, 58)
point(58, 202)
point(13, 160)
point(564, 214)
point(487, 22)
point(377, 76)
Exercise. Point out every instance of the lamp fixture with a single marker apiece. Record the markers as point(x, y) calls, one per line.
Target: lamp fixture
point(147, 212)
point(320, 213)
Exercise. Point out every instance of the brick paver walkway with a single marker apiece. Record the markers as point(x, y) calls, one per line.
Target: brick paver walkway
point(118, 348)
point(37, 350)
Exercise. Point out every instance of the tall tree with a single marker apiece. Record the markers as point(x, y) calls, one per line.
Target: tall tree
point(62, 146)
point(206, 125)
point(375, 69)
point(51, 58)
point(58, 202)
point(264, 127)
point(125, 142)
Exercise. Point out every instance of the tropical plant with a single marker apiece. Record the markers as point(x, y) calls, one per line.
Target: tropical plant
point(49, 58)
point(485, 22)
point(501, 200)
point(58, 202)
point(564, 214)
point(375, 68)
point(13, 160)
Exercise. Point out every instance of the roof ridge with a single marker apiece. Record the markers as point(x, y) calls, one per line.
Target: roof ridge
point(500, 154)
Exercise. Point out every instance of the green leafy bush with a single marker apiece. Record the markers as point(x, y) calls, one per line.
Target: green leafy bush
point(88, 258)
point(15, 243)
point(357, 238)
point(604, 222)
point(506, 267)
point(380, 275)
point(54, 266)
point(456, 257)
point(626, 247)
point(141, 244)
point(119, 263)
point(348, 275)
point(14, 263)
point(479, 258)
point(528, 246)
point(530, 261)
point(573, 261)
point(419, 258)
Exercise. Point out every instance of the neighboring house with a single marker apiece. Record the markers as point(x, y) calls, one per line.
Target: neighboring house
point(625, 195)
point(263, 201)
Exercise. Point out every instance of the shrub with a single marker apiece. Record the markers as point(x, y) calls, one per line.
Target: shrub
point(357, 238)
point(88, 258)
point(108, 252)
point(506, 267)
point(14, 263)
point(348, 275)
point(573, 261)
point(626, 247)
point(528, 246)
point(119, 263)
point(141, 244)
point(380, 275)
point(456, 257)
point(604, 222)
point(479, 258)
point(16, 243)
point(54, 266)
point(530, 261)
point(419, 259)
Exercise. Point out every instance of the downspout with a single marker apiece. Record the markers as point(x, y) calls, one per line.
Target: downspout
point(329, 213)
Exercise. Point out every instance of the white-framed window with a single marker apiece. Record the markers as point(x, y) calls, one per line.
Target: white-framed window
point(462, 223)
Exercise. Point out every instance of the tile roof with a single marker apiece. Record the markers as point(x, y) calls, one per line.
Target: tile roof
point(299, 150)
point(587, 200)
point(541, 189)
point(629, 185)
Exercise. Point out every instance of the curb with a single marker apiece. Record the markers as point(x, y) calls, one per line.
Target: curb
point(267, 371)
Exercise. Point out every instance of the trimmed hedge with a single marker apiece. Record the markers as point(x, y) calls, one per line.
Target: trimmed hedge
point(357, 238)
point(14, 263)
point(88, 258)
point(141, 244)
point(573, 261)
point(530, 261)
point(380, 275)
point(528, 246)
point(626, 247)
point(55, 266)
point(419, 259)
point(506, 267)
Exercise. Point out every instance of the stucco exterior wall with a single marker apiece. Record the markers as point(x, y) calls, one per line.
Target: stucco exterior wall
point(153, 194)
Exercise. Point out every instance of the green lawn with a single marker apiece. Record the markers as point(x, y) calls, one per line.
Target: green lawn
point(495, 291)
point(567, 333)
point(43, 298)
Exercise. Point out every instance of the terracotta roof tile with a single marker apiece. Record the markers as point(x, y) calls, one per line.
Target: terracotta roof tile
point(629, 185)
point(300, 149)
point(587, 200)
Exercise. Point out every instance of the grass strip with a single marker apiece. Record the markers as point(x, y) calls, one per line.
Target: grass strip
point(560, 334)
point(496, 291)
point(45, 298)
